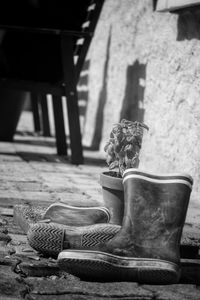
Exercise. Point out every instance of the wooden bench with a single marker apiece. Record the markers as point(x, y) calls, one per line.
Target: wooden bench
point(41, 60)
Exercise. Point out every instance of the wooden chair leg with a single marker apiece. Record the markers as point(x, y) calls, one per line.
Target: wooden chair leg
point(36, 113)
point(59, 126)
point(45, 115)
point(72, 100)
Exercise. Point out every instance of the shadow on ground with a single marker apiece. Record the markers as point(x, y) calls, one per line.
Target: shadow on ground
point(44, 157)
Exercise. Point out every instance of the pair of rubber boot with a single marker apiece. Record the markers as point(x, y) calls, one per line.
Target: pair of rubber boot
point(63, 226)
point(146, 248)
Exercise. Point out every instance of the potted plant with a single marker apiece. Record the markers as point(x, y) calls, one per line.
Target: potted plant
point(122, 152)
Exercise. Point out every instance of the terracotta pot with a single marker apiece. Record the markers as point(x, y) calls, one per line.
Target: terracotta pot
point(113, 195)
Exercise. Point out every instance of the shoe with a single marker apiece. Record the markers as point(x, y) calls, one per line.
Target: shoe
point(27, 215)
point(146, 249)
point(50, 239)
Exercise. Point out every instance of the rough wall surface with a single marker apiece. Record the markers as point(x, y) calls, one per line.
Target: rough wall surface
point(145, 66)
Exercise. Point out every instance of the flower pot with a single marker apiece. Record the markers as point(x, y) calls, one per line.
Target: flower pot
point(11, 106)
point(113, 196)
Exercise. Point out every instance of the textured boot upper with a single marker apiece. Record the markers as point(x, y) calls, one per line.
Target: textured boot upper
point(154, 215)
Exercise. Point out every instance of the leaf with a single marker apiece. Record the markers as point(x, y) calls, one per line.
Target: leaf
point(113, 165)
point(124, 144)
point(109, 159)
point(106, 146)
point(110, 149)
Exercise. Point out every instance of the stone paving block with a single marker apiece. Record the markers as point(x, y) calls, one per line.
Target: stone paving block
point(33, 149)
point(81, 297)
point(5, 185)
point(85, 182)
point(96, 194)
point(4, 211)
point(29, 186)
point(38, 196)
point(175, 292)
point(93, 171)
point(20, 176)
point(18, 166)
point(56, 177)
point(9, 285)
point(79, 199)
point(7, 147)
point(20, 197)
point(12, 227)
point(94, 189)
point(60, 188)
point(10, 158)
point(10, 298)
point(59, 286)
point(45, 167)
point(80, 176)
point(56, 182)
point(11, 194)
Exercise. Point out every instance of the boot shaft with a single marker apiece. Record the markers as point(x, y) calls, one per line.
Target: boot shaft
point(154, 212)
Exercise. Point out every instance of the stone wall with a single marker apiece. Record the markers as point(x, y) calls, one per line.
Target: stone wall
point(145, 66)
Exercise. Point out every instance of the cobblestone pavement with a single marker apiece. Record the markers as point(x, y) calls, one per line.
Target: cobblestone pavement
point(30, 171)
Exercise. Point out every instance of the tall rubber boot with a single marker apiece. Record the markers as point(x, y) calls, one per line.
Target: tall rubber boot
point(59, 213)
point(146, 249)
point(50, 239)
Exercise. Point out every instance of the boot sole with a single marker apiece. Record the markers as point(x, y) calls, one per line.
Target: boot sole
point(27, 215)
point(101, 266)
point(50, 239)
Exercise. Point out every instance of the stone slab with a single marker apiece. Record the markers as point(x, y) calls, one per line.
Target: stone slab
point(59, 286)
point(175, 292)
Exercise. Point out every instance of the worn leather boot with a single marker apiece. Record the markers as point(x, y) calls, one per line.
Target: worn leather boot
point(146, 249)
